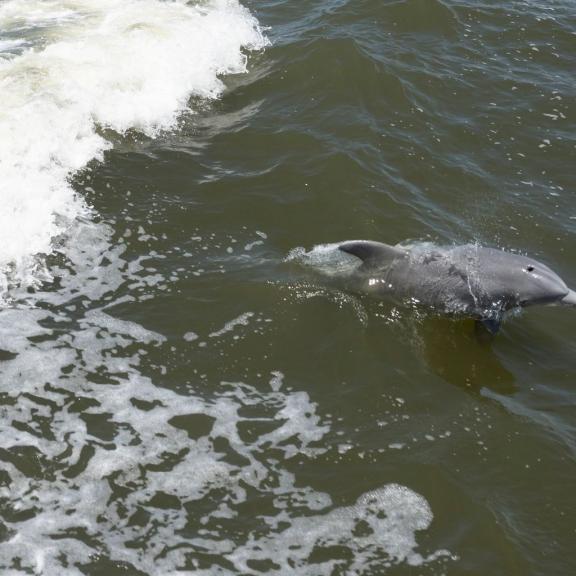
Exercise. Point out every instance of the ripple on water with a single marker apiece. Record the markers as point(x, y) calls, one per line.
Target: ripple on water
point(100, 462)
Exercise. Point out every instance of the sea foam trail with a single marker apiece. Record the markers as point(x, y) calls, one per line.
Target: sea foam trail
point(118, 64)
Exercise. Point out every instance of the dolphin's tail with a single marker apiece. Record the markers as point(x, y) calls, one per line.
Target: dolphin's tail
point(569, 299)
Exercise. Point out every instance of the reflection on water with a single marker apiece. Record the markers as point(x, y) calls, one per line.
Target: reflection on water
point(456, 351)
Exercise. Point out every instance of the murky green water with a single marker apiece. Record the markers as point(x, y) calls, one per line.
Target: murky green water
point(175, 397)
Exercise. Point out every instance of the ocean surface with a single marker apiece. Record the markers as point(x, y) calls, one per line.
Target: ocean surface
point(177, 394)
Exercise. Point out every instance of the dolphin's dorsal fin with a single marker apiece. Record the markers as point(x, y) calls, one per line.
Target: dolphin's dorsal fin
point(372, 253)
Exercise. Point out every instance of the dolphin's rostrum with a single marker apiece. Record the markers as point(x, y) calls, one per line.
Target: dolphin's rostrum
point(468, 280)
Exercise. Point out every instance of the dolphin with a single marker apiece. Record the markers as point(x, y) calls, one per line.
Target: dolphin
point(469, 280)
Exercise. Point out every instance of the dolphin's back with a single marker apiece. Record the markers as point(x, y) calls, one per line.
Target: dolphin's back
point(433, 275)
point(437, 276)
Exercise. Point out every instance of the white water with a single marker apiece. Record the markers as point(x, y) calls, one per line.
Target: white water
point(91, 442)
point(326, 259)
point(119, 64)
point(71, 372)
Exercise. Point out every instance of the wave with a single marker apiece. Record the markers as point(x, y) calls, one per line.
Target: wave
point(97, 64)
point(420, 16)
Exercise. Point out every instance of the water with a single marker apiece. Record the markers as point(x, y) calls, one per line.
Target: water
point(176, 395)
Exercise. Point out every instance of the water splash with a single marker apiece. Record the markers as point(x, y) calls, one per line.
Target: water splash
point(115, 64)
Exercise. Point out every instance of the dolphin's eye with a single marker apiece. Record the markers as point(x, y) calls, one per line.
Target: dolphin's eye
point(530, 268)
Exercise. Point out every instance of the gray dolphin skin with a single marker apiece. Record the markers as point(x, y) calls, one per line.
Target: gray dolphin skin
point(468, 280)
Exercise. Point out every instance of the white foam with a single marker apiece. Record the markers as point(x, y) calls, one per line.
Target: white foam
point(119, 64)
point(76, 365)
point(390, 517)
point(9, 45)
point(241, 320)
point(88, 489)
point(326, 259)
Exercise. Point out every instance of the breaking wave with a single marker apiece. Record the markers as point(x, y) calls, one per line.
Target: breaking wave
point(69, 69)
